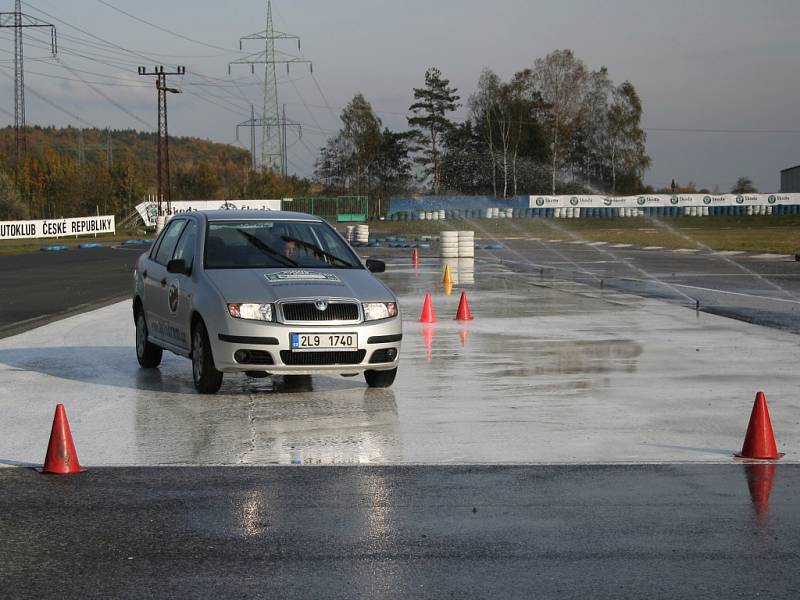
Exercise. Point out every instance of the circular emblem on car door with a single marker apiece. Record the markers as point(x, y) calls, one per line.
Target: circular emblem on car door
point(172, 297)
point(321, 304)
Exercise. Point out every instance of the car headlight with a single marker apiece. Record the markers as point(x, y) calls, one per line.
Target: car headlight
point(375, 311)
point(251, 312)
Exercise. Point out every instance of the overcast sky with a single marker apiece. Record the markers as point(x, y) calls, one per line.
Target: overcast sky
point(697, 64)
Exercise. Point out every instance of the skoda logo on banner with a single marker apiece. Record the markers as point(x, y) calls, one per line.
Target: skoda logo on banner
point(573, 201)
point(707, 200)
point(771, 199)
point(739, 199)
point(673, 200)
point(540, 202)
point(640, 201)
point(607, 201)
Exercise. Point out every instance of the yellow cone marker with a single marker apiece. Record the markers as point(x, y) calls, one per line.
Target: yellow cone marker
point(448, 277)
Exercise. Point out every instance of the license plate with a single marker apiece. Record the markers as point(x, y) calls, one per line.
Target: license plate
point(324, 341)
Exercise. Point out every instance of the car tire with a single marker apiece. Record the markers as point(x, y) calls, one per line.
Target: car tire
point(207, 380)
point(148, 354)
point(380, 379)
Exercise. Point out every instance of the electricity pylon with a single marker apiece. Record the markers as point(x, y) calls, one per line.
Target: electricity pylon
point(272, 146)
point(252, 123)
point(18, 20)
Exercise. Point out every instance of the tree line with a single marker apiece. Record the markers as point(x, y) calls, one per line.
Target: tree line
point(72, 172)
point(553, 127)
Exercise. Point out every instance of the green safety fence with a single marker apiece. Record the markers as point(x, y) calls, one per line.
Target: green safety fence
point(340, 208)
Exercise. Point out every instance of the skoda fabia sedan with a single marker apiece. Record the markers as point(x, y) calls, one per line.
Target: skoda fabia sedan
point(263, 293)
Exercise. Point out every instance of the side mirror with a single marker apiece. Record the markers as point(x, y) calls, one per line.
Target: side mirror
point(178, 265)
point(375, 266)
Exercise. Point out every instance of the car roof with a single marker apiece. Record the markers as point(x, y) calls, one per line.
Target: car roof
point(240, 215)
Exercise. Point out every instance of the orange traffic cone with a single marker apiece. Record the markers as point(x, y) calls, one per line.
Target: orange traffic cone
point(448, 289)
point(415, 257)
point(61, 458)
point(759, 442)
point(463, 313)
point(428, 315)
point(759, 481)
point(448, 276)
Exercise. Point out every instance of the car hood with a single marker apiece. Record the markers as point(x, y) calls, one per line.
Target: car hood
point(273, 285)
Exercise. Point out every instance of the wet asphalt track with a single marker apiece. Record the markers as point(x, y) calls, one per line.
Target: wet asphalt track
point(759, 289)
point(41, 287)
point(593, 531)
point(665, 531)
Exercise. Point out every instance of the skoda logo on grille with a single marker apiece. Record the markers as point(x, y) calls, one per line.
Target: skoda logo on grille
point(321, 305)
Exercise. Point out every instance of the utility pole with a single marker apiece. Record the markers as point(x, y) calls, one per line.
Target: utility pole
point(19, 20)
point(281, 124)
point(162, 142)
point(81, 154)
point(272, 147)
point(109, 149)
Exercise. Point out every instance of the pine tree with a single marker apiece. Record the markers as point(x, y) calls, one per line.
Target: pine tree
point(432, 103)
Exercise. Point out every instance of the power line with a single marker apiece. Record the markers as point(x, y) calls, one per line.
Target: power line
point(53, 104)
point(165, 30)
point(107, 97)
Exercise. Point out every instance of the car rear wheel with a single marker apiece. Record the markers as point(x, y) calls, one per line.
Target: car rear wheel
point(380, 379)
point(148, 354)
point(207, 380)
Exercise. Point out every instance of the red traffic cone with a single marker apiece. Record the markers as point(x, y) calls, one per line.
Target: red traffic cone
point(61, 458)
point(759, 442)
point(759, 481)
point(463, 313)
point(428, 315)
point(415, 257)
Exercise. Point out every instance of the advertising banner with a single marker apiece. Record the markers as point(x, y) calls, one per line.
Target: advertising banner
point(48, 228)
point(149, 210)
point(645, 201)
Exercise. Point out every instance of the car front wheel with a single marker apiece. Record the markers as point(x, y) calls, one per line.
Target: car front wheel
point(380, 379)
point(148, 354)
point(207, 380)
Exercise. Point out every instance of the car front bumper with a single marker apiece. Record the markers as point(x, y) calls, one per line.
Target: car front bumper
point(269, 346)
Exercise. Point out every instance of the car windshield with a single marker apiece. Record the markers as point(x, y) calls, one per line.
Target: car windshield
point(273, 244)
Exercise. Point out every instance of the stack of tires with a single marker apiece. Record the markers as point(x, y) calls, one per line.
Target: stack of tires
point(466, 244)
point(362, 234)
point(449, 244)
point(350, 234)
point(466, 271)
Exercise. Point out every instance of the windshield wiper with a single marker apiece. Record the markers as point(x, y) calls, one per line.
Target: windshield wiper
point(267, 248)
point(317, 250)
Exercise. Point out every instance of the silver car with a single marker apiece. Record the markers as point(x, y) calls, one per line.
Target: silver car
point(263, 293)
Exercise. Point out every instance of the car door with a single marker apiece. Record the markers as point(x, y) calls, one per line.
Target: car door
point(181, 287)
point(155, 284)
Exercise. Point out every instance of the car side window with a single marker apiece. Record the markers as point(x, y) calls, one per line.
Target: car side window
point(185, 248)
point(168, 241)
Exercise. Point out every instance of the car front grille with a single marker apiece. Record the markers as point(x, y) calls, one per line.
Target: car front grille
point(334, 357)
point(308, 312)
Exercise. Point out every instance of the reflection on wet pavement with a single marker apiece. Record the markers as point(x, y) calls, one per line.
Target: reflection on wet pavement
point(549, 371)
